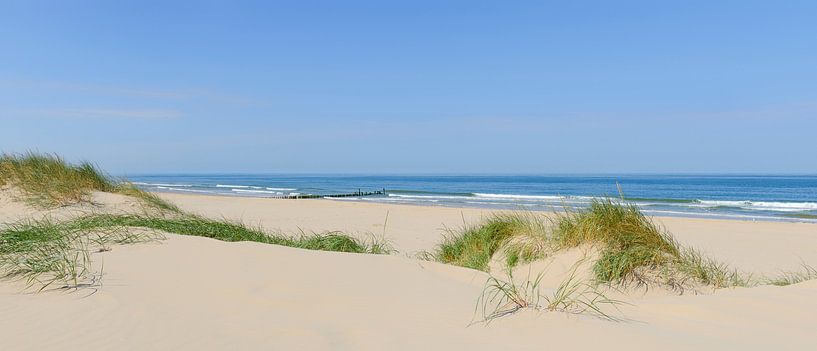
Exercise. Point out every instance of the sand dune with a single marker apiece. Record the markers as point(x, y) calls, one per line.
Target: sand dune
point(761, 247)
point(194, 293)
point(12, 210)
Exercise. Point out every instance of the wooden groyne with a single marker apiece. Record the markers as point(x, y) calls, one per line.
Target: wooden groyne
point(315, 196)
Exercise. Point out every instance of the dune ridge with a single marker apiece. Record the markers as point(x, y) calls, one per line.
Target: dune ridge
point(214, 290)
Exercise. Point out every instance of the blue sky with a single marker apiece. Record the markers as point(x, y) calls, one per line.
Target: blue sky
point(413, 87)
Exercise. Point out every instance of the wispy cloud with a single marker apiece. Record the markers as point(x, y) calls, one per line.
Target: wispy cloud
point(98, 113)
point(128, 91)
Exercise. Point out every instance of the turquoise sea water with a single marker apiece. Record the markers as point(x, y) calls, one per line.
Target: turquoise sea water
point(758, 197)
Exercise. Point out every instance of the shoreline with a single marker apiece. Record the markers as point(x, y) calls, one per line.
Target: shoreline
point(705, 196)
point(650, 213)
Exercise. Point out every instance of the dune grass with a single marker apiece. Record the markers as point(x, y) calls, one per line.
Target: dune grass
point(628, 240)
point(149, 199)
point(233, 231)
point(793, 277)
point(521, 236)
point(474, 246)
point(500, 298)
point(694, 267)
point(531, 240)
point(47, 180)
point(48, 254)
point(45, 253)
point(632, 249)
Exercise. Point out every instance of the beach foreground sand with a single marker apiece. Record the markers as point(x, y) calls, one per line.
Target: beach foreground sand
point(198, 293)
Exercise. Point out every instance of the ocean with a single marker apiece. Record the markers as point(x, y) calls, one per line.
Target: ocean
point(748, 197)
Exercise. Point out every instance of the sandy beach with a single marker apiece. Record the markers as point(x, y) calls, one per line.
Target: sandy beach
point(416, 175)
point(754, 246)
point(198, 293)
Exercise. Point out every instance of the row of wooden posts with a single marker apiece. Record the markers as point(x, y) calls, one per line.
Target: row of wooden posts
point(314, 196)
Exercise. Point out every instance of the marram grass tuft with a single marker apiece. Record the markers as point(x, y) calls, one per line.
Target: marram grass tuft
point(47, 180)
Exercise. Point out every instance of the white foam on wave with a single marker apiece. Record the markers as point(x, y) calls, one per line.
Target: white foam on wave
point(397, 200)
point(163, 184)
point(762, 205)
point(486, 203)
point(525, 197)
point(258, 191)
point(281, 189)
point(550, 199)
point(501, 199)
point(238, 186)
point(385, 199)
point(438, 197)
point(186, 190)
point(725, 215)
point(789, 206)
